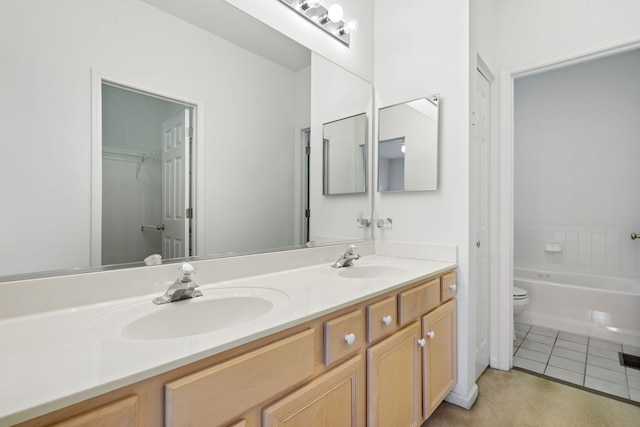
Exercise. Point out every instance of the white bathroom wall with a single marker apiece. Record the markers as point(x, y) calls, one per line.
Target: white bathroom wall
point(60, 43)
point(422, 48)
point(576, 174)
point(357, 58)
point(531, 30)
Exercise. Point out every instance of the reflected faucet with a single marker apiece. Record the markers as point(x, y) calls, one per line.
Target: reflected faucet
point(183, 288)
point(346, 260)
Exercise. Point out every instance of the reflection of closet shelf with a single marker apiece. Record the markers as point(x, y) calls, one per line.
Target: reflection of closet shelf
point(122, 153)
point(128, 153)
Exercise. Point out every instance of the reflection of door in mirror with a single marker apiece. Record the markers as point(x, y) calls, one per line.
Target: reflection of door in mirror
point(145, 176)
point(391, 165)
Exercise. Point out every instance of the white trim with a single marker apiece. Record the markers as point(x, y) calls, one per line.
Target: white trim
point(503, 331)
point(97, 79)
point(462, 400)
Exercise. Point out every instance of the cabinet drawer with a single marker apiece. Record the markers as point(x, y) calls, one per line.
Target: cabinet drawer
point(449, 286)
point(218, 394)
point(417, 301)
point(382, 318)
point(343, 336)
point(123, 412)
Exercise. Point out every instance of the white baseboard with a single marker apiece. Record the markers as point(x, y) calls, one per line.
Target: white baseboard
point(463, 401)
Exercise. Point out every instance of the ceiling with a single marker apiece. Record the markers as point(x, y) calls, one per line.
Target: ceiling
point(226, 21)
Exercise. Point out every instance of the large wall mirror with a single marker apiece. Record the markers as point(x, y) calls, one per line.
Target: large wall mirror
point(408, 145)
point(91, 92)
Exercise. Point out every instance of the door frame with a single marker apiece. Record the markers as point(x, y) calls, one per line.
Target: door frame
point(98, 78)
point(502, 358)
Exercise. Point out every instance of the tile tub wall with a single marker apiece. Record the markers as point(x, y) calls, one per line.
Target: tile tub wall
point(590, 250)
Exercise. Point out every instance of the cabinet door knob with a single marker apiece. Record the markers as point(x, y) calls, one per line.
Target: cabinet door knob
point(431, 334)
point(453, 286)
point(387, 320)
point(422, 342)
point(350, 339)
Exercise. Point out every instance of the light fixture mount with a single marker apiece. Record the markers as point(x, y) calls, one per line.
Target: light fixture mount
point(319, 15)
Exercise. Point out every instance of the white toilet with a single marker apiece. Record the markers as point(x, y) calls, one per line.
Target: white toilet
point(520, 300)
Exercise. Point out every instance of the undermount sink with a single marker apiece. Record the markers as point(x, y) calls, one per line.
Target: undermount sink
point(218, 309)
point(357, 271)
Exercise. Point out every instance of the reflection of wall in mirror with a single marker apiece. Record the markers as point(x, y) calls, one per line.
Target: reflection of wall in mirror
point(344, 157)
point(343, 95)
point(419, 131)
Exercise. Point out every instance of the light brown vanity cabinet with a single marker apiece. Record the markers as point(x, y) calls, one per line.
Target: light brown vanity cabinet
point(343, 336)
point(360, 365)
point(412, 371)
point(123, 412)
point(222, 392)
point(382, 318)
point(394, 389)
point(336, 398)
point(439, 355)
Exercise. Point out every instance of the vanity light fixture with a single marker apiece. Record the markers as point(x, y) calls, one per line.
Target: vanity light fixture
point(329, 19)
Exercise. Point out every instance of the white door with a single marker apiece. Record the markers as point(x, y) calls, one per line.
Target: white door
point(175, 185)
point(481, 226)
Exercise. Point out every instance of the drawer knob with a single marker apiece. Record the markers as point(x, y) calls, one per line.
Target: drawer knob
point(387, 320)
point(453, 286)
point(350, 338)
point(422, 342)
point(431, 334)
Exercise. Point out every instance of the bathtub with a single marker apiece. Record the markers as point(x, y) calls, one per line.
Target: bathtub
point(599, 306)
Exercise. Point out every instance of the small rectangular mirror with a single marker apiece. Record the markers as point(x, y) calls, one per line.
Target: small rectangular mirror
point(344, 146)
point(408, 145)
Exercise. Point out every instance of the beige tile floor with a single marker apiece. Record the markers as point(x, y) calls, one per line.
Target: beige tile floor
point(516, 398)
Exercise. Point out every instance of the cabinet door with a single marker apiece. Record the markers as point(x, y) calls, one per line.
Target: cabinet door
point(439, 328)
point(336, 398)
point(393, 380)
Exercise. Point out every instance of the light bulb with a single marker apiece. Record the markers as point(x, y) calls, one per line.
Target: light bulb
point(304, 5)
point(335, 13)
point(349, 27)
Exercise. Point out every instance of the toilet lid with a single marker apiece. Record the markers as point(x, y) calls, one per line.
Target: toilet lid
point(519, 293)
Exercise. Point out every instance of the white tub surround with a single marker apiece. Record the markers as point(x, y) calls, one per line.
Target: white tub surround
point(599, 306)
point(64, 343)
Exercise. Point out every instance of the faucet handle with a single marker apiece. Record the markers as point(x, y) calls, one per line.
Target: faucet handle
point(352, 249)
point(185, 271)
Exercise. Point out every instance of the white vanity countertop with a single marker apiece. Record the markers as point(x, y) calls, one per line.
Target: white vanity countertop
point(53, 359)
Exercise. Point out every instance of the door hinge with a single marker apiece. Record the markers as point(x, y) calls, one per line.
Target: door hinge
point(190, 132)
point(307, 150)
point(307, 213)
point(189, 213)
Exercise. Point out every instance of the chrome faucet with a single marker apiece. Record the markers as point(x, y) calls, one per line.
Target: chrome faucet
point(347, 258)
point(183, 288)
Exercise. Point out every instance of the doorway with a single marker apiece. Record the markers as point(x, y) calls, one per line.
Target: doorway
point(146, 176)
point(502, 328)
